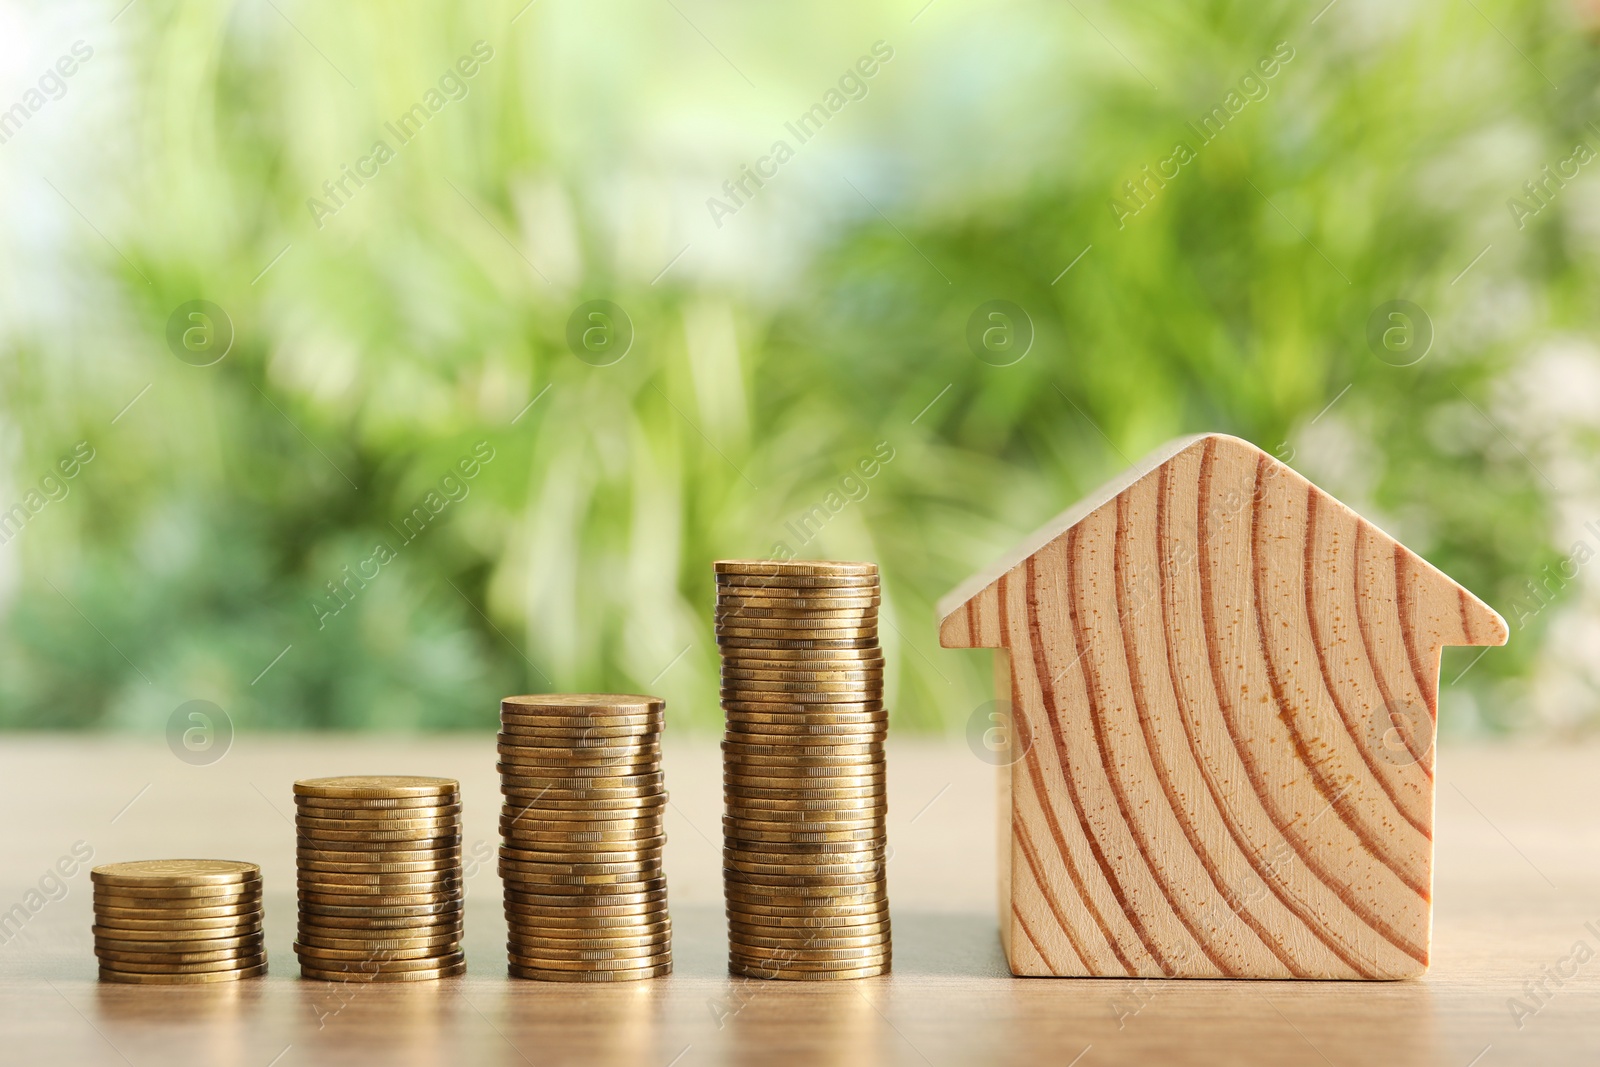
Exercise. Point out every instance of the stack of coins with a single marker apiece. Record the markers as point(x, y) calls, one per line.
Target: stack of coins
point(586, 900)
point(379, 865)
point(178, 921)
point(803, 775)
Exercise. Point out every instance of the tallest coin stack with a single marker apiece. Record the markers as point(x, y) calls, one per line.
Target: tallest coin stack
point(803, 770)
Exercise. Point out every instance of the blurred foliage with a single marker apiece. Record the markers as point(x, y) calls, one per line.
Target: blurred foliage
point(822, 324)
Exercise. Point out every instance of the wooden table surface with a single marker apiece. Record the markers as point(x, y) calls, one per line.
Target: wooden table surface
point(1517, 883)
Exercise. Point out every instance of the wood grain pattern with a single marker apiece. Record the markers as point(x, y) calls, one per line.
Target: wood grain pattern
point(1227, 685)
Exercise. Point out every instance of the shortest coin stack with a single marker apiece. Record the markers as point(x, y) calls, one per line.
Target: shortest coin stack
point(586, 900)
point(178, 921)
point(379, 864)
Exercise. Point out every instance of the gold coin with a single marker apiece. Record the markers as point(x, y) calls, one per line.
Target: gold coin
point(580, 742)
point(862, 955)
point(646, 877)
point(851, 919)
point(820, 893)
point(800, 625)
point(320, 899)
point(837, 689)
point(863, 939)
point(385, 852)
point(518, 801)
point(803, 821)
point(751, 629)
point(386, 964)
point(640, 833)
point(862, 753)
point(736, 673)
point(516, 904)
point(378, 787)
point(588, 947)
point(439, 836)
point(733, 587)
point(107, 975)
point(323, 974)
point(376, 805)
point(547, 736)
point(447, 937)
point(321, 882)
point(810, 903)
point(344, 956)
point(796, 778)
point(529, 954)
point(818, 936)
point(572, 939)
point(367, 816)
point(364, 882)
point(618, 702)
point(218, 947)
point(581, 863)
point(119, 955)
point(796, 713)
point(801, 692)
point(740, 583)
point(381, 925)
point(805, 735)
point(543, 963)
point(615, 853)
point(808, 657)
point(580, 750)
point(738, 862)
point(541, 975)
point(847, 757)
point(805, 744)
point(450, 865)
point(228, 911)
point(804, 971)
point(838, 774)
point(594, 902)
point(848, 809)
point(615, 930)
point(581, 718)
point(795, 567)
point(804, 914)
point(532, 778)
point(736, 795)
point(175, 873)
point(816, 698)
point(123, 933)
point(579, 775)
point(225, 924)
point(379, 841)
point(371, 942)
point(807, 849)
point(309, 907)
point(435, 823)
point(165, 967)
point(760, 839)
point(179, 896)
point(728, 640)
point(860, 882)
point(765, 607)
point(817, 669)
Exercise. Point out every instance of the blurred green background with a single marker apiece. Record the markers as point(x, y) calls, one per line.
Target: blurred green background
point(1198, 217)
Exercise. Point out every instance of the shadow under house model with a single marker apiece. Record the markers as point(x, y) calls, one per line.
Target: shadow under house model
point(1224, 688)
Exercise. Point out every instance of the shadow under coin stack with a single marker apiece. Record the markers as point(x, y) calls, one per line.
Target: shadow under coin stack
point(178, 922)
point(803, 772)
point(379, 865)
point(585, 896)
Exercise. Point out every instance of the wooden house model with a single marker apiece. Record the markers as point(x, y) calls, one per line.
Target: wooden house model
point(1224, 688)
